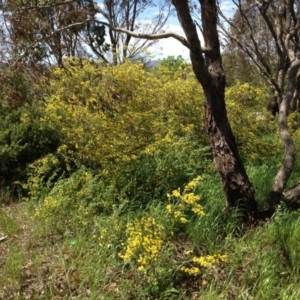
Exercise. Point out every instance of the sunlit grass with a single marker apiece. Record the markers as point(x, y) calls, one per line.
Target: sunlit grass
point(83, 261)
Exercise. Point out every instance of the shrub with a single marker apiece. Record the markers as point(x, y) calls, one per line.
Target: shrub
point(254, 128)
point(23, 137)
point(111, 114)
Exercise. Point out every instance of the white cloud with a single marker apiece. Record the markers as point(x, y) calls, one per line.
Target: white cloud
point(100, 17)
point(171, 46)
point(228, 7)
point(100, 5)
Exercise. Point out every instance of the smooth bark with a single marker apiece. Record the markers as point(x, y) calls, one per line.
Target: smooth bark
point(287, 166)
point(281, 19)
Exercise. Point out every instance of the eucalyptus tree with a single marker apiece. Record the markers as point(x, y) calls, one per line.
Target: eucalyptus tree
point(238, 68)
point(268, 33)
point(206, 61)
point(54, 29)
point(48, 31)
point(145, 16)
point(282, 19)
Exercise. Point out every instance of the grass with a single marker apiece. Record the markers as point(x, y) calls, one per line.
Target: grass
point(8, 225)
point(43, 260)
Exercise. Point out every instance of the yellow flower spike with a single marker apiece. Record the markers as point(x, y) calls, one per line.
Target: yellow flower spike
point(193, 271)
point(177, 214)
point(144, 241)
point(183, 220)
point(209, 260)
point(176, 193)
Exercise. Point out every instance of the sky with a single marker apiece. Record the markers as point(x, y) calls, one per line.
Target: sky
point(168, 47)
point(172, 47)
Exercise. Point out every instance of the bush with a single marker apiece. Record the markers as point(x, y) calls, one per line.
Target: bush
point(253, 126)
point(111, 114)
point(23, 137)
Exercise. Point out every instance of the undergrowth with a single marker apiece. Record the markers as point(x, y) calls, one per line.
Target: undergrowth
point(151, 254)
point(120, 199)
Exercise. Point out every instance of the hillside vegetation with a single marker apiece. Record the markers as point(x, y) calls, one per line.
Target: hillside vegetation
point(109, 189)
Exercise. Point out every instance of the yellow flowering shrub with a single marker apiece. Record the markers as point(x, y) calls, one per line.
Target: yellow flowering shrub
point(293, 123)
point(139, 130)
point(185, 202)
point(41, 174)
point(145, 238)
point(254, 128)
point(206, 261)
point(174, 68)
point(73, 200)
point(112, 113)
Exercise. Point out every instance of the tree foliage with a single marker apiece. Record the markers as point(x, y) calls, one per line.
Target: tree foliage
point(131, 15)
point(50, 31)
point(138, 134)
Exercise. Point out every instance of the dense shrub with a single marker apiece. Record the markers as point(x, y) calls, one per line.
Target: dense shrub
point(140, 134)
point(253, 126)
point(23, 137)
point(111, 114)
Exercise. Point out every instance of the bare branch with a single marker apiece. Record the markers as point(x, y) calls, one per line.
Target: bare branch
point(251, 50)
point(156, 36)
point(125, 15)
point(49, 36)
point(3, 238)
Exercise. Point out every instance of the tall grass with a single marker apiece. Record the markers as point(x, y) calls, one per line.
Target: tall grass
point(82, 260)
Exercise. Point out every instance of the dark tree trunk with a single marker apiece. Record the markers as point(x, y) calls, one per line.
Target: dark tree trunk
point(209, 72)
point(238, 189)
point(273, 107)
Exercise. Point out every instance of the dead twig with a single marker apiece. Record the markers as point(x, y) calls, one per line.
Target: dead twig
point(3, 238)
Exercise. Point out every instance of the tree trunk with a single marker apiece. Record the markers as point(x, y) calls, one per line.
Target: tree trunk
point(286, 169)
point(293, 194)
point(210, 74)
point(237, 187)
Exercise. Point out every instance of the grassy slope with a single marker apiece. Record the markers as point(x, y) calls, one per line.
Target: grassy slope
point(40, 262)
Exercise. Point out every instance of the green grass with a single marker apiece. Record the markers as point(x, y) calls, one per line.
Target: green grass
point(7, 224)
point(82, 261)
point(12, 269)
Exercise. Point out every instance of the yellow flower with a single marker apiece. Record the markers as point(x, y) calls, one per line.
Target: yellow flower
point(193, 271)
point(169, 208)
point(142, 269)
point(176, 193)
point(144, 241)
point(183, 220)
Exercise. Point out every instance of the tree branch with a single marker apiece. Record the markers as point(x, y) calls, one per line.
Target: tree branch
point(32, 7)
point(156, 36)
point(50, 35)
